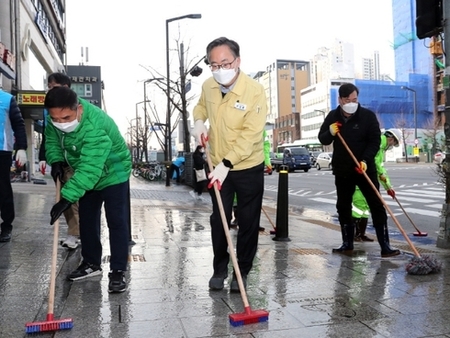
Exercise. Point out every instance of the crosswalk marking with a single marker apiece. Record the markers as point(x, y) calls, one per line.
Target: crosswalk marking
point(431, 198)
point(423, 212)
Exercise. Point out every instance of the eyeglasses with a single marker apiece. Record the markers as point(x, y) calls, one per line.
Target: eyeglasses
point(223, 66)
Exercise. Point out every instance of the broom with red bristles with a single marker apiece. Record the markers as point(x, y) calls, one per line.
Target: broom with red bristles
point(50, 324)
point(249, 316)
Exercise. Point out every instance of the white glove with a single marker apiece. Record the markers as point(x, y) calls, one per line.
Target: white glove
point(42, 166)
point(219, 174)
point(21, 157)
point(199, 130)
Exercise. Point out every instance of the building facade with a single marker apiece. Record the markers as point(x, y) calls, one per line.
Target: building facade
point(33, 33)
point(283, 80)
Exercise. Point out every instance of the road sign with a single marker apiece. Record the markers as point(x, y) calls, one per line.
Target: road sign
point(416, 141)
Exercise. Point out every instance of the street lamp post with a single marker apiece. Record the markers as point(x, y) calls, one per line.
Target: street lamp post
point(414, 109)
point(145, 112)
point(137, 130)
point(168, 124)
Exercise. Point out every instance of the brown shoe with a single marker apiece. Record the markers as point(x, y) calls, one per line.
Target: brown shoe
point(364, 238)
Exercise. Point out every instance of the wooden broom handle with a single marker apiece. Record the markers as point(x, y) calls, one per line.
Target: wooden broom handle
point(413, 248)
point(227, 233)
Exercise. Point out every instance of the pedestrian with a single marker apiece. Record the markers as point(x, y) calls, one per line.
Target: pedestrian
point(360, 209)
point(90, 142)
point(175, 167)
point(360, 129)
point(236, 107)
point(199, 164)
point(72, 241)
point(12, 137)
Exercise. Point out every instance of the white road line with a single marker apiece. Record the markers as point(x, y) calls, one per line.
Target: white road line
point(437, 206)
point(324, 200)
point(423, 212)
point(422, 192)
point(402, 198)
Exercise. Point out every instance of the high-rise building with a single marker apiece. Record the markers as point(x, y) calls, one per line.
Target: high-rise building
point(283, 80)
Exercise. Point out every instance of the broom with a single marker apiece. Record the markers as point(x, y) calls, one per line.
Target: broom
point(249, 316)
point(50, 324)
point(418, 265)
point(270, 221)
point(418, 233)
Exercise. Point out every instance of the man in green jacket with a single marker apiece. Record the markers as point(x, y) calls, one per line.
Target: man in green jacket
point(360, 208)
point(87, 139)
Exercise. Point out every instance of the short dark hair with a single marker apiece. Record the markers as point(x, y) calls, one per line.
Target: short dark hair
point(346, 89)
point(220, 42)
point(61, 97)
point(59, 78)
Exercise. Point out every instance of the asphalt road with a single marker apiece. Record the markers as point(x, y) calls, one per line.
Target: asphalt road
point(417, 188)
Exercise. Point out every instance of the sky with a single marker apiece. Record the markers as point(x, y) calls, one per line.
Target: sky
point(128, 40)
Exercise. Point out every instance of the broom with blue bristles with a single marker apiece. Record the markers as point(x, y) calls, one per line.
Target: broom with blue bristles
point(50, 324)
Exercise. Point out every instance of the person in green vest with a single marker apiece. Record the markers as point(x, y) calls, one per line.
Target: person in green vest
point(360, 208)
point(267, 163)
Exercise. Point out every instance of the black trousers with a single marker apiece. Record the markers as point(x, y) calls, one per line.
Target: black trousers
point(116, 199)
point(248, 185)
point(345, 187)
point(173, 168)
point(6, 192)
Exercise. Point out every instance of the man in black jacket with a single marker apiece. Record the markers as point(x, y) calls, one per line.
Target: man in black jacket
point(360, 129)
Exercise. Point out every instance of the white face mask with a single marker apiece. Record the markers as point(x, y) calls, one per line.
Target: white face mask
point(350, 108)
point(67, 127)
point(224, 76)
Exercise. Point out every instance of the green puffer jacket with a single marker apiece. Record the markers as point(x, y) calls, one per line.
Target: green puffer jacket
point(96, 151)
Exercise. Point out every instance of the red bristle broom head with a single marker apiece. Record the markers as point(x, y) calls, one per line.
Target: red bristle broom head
point(49, 325)
point(249, 316)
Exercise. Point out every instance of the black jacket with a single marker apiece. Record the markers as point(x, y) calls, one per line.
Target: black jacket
point(362, 134)
point(199, 161)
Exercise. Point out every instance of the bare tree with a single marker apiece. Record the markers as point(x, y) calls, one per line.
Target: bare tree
point(402, 123)
point(432, 128)
point(178, 98)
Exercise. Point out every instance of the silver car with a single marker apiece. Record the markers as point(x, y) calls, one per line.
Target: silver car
point(324, 161)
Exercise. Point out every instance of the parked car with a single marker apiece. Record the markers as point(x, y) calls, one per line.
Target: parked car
point(439, 157)
point(324, 161)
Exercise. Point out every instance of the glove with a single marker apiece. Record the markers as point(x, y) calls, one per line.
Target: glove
point(219, 174)
point(42, 166)
point(58, 171)
point(362, 167)
point(269, 167)
point(58, 209)
point(21, 157)
point(334, 128)
point(200, 132)
point(391, 193)
point(383, 178)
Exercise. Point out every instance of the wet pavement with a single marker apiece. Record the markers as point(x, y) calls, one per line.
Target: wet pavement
point(308, 291)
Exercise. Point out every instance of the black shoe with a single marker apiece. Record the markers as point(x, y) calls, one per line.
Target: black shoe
point(348, 233)
point(234, 286)
point(389, 252)
point(117, 281)
point(216, 282)
point(85, 270)
point(5, 237)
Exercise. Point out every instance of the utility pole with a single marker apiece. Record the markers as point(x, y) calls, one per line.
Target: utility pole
point(443, 239)
point(186, 134)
